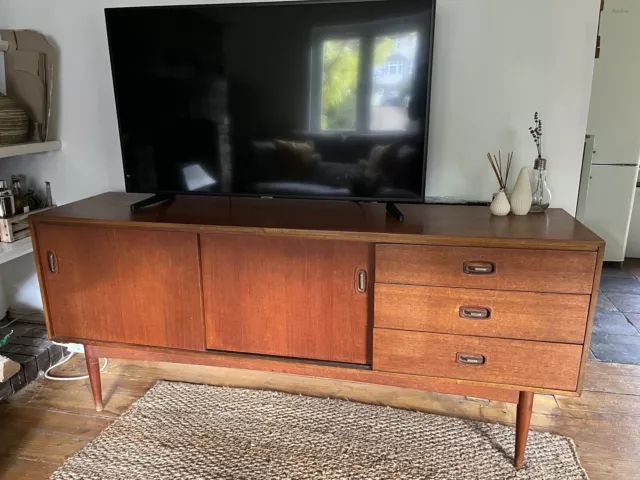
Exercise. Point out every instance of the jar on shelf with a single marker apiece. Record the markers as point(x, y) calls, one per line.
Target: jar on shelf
point(7, 202)
point(541, 195)
point(20, 200)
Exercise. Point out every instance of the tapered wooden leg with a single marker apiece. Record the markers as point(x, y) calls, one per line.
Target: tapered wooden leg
point(523, 420)
point(93, 366)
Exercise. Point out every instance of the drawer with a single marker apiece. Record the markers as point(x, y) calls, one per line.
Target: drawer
point(550, 317)
point(512, 362)
point(551, 271)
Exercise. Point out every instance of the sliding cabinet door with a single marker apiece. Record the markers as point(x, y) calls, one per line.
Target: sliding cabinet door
point(122, 285)
point(288, 296)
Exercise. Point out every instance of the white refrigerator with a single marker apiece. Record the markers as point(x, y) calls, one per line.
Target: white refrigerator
point(611, 166)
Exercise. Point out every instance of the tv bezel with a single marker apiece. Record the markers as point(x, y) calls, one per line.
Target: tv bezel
point(266, 3)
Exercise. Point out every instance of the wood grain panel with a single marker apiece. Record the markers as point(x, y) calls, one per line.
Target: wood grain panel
point(516, 362)
point(122, 285)
point(522, 315)
point(592, 313)
point(323, 219)
point(525, 270)
point(287, 296)
point(311, 369)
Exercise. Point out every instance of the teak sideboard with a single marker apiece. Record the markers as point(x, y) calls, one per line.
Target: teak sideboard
point(452, 300)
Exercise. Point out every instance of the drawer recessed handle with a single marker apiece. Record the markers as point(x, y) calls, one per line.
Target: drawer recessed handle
point(361, 281)
point(52, 262)
point(476, 313)
point(479, 268)
point(470, 359)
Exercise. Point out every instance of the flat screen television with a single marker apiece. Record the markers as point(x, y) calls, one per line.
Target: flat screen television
point(276, 99)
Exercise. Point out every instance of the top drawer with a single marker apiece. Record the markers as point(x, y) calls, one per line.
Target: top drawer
point(553, 271)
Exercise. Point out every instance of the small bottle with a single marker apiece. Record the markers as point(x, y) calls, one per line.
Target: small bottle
point(20, 200)
point(7, 203)
point(48, 193)
point(541, 195)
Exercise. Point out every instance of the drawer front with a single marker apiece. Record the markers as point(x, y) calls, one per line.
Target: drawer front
point(550, 317)
point(512, 362)
point(550, 271)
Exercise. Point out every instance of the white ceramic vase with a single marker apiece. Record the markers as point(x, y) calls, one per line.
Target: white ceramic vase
point(500, 205)
point(521, 196)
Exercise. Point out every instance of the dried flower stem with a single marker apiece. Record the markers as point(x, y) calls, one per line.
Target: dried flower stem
point(536, 133)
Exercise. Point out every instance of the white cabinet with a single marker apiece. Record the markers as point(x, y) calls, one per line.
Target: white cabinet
point(609, 201)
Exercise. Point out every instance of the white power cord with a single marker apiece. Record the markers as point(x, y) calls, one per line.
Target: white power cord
point(65, 360)
point(61, 362)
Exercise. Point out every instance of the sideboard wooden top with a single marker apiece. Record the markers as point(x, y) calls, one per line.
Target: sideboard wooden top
point(424, 224)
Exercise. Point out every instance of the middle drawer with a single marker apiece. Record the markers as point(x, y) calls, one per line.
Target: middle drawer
point(547, 317)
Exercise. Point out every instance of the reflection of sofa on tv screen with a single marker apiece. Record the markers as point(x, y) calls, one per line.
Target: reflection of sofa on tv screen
point(337, 166)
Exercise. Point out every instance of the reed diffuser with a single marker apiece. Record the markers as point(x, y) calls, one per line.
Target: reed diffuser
point(500, 204)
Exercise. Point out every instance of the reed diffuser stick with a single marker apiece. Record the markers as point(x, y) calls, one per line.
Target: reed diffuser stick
point(502, 174)
point(509, 158)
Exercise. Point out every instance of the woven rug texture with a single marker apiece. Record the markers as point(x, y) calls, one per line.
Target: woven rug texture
point(186, 431)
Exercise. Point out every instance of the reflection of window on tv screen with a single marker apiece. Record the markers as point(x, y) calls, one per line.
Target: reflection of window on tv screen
point(382, 91)
point(322, 100)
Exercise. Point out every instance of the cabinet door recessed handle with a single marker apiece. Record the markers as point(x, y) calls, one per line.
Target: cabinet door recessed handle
point(361, 281)
point(52, 262)
point(479, 268)
point(471, 359)
point(477, 313)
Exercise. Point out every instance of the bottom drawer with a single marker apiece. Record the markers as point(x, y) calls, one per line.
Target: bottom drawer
point(495, 360)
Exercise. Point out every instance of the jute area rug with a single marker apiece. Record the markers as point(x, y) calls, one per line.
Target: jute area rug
point(186, 431)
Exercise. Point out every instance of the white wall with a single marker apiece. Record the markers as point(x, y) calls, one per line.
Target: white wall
point(495, 63)
point(21, 286)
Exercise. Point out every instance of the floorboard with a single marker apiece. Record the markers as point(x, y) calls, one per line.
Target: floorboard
point(49, 421)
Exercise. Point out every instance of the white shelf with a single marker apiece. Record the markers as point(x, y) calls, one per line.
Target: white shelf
point(29, 148)
point(9, 251)
point(4, 45)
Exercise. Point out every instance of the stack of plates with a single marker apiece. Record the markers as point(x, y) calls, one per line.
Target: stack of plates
point(14, 122)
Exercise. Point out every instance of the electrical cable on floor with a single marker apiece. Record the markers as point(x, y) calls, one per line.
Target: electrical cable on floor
point(65, 360)
point(61, 362)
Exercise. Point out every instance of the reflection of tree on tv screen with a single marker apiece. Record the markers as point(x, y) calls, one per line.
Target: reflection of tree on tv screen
point(389, 83)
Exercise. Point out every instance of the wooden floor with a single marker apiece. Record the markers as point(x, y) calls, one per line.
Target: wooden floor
point(49, 421)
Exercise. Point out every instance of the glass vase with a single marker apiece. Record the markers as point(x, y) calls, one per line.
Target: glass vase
point(541, 195)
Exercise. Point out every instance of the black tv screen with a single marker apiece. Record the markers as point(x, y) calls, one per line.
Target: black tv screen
point(292, 99)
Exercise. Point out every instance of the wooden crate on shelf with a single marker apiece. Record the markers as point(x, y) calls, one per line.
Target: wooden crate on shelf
point(17, 227)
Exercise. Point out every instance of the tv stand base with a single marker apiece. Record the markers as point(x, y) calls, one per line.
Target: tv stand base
point(370, 300)
point(157, 198)
point(394, 211)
